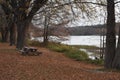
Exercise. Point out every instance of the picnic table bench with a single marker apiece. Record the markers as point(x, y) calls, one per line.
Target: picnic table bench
point(30, 51)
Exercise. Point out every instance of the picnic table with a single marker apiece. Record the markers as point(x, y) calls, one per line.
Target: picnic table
point(30, 51)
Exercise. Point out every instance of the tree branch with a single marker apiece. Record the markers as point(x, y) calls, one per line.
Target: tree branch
point(37, 5)
point(117, 2)
point(100, 4)
point(76, 2)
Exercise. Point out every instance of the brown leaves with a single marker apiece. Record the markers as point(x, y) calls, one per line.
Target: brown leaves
point(48, 66)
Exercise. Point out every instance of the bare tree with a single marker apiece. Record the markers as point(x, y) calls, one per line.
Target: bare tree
point(3, 25)
point(23, 11)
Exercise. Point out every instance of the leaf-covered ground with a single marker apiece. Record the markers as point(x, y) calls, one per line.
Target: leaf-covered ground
point(47, 66)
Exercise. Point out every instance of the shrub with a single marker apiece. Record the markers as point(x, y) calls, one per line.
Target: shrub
point(96, 61)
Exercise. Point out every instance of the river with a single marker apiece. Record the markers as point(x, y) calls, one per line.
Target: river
point(83, 40)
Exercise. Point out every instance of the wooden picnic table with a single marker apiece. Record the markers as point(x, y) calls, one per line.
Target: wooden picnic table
point(30, 51)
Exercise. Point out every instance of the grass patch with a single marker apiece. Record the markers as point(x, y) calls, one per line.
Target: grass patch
point(75, 53)
point(96, 61)
point(68, 51)
point(34, 43)
point(85, 47)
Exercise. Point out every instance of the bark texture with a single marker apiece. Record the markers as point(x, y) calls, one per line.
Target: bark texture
point(116, 62)
point(4, 34)
point(21, 34)
point(12, 30)
point(110, 36)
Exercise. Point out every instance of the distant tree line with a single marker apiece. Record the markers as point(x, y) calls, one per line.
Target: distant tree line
point(87, 30)
point(91, 30)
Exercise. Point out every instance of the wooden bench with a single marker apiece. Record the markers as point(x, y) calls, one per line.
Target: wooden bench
point(30, 51)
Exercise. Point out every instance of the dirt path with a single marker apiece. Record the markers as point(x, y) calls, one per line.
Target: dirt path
point(47, 66)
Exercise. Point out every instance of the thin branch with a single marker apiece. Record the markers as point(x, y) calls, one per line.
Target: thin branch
point(117, 2)
point(69, 3)
point(100, 4)
point(76, 2)
point(73, 2)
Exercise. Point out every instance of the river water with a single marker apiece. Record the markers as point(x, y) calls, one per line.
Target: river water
point(83, 40)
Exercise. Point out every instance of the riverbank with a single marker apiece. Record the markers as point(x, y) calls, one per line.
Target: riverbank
point(79, 53)
point(72, 51)
point(93, 51)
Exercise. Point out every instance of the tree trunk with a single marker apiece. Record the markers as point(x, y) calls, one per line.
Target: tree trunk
point(45, 34)
point(21, 34)
point(45, 41)
point(4, 33)
point(12, 34)
point(110, 36)
point(116, 62)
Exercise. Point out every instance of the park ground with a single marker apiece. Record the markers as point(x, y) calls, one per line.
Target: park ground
point(49, 65)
